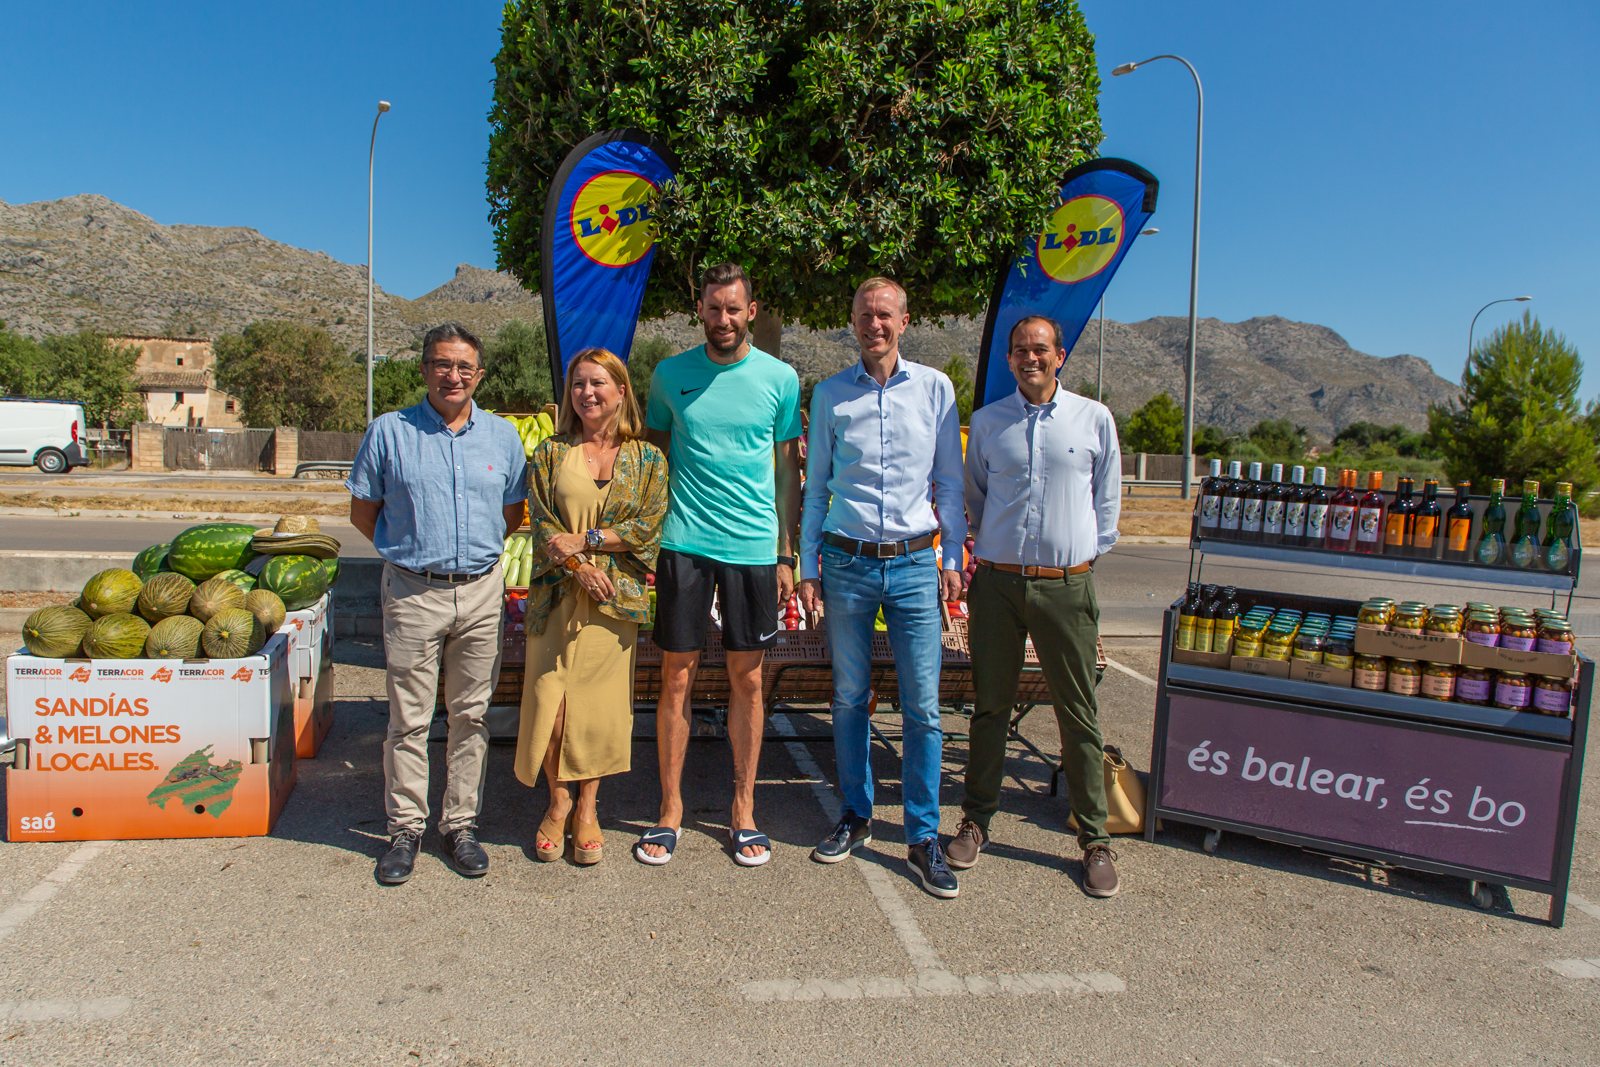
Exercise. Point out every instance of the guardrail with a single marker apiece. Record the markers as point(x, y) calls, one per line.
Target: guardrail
point(339, 465)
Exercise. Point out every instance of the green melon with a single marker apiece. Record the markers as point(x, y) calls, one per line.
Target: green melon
point(117, 636)
point(212, 595)
point(239, 578)
point(177, 637)
point(330, 567)
point(55, 632)
point(299, 580)
point(152, 560)
point(232, 633)
point(267, 607)
point(166, 594)
point(210, 548)
point(111, 592)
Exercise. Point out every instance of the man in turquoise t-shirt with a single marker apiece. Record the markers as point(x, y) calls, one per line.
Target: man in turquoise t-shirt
point(728, 417)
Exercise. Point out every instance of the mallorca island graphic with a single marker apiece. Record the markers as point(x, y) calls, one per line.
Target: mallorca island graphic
point(196, 782)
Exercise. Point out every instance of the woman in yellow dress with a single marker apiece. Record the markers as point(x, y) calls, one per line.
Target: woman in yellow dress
point(597, 495)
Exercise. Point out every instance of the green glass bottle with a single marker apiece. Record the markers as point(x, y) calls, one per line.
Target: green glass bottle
point(1524, 550)
point(1491, 551)
point(1557, 548)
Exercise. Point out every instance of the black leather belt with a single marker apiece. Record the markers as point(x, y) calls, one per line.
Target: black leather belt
point(878, 549)
point(447, 579)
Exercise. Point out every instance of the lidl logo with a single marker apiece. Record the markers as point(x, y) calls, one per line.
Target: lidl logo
point(1081, 238)
point(611, 220)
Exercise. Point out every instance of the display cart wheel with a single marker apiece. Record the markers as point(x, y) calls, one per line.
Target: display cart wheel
point(1489, 897)
point(1213, 838)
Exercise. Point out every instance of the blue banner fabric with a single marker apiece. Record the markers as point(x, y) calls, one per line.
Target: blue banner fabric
point(1062, 272)
point(598, 243)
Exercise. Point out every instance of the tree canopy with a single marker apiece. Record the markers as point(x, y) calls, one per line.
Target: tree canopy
point(286, 374)
point(516, 373)
point(1518, 416)
point(1157, 427)
point(818, 143)
point(82, 366)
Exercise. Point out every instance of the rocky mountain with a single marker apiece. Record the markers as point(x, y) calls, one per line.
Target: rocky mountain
point(86, 262)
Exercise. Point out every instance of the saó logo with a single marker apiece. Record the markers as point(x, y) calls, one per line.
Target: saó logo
point(611, 221)
point(80, 675)
point(163, 674)
point(243, 674)
point(1081, 238)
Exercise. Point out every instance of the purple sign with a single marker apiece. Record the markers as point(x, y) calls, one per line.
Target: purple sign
point(1479, 803)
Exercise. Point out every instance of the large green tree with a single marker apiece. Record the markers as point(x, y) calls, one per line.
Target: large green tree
point(286, 374)
point(818, 142)
point(22, 364)
point(516, 370)
point(396, 384)
point(1518, 415)
point(83, 366)
point(1157, 427)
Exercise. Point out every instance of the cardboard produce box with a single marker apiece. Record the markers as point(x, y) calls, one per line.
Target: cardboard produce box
point(149, 748)
point(1220, 660)
point(1269, 668)
point(1435, 648)
point(1305, 671)
point(1553, 664)
point(311, 670)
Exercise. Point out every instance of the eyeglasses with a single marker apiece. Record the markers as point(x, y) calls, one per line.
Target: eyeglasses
point(464, 370)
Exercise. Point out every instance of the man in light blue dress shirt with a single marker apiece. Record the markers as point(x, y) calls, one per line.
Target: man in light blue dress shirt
point(884, 450)
point(1044, 492)
point(435, 487)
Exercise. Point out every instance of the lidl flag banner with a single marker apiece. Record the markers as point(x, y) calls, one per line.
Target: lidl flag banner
point(599, 242)
point(1063, 271)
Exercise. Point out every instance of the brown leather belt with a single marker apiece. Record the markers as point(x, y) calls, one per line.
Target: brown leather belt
point(1035, 572)
point(447, 579)
point(878, 549)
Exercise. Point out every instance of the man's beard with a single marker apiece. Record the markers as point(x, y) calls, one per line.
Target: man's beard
point(738, 343)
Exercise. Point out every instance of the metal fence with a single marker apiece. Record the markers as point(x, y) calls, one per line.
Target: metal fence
point(322, 445)
point(231, 450)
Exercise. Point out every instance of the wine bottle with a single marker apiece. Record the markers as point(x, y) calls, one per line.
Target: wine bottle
point(1524, 550)
point(1211, 501)
point(1255, 502)
point(1458, 527)
point(1369, 517)
point(1396, 526)
point(1557, 548)
point(1491, 551)
point(1424, 538)
point(1188, 612)
point(1342, 513)
point(1272, 512)
point(1232, 503)
point(1294, 508)
point(1317, 498)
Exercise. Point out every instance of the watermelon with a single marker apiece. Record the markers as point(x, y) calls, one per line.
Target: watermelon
point(55, 632)
point(177, 637)
point(116, 636)
point(111, 592)
point(212, 595)
point(210, 548)
point(232, 633)
point(330, 567)
point(299, 580)
point(166, 594)
point(239, 578)
point(267, 607)
point(152, 560)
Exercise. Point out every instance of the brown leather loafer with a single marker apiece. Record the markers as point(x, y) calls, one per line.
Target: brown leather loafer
point(962, 851)
point(1099, 871)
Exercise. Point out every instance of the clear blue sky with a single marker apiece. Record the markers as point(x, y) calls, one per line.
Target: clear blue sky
point(1383, 169)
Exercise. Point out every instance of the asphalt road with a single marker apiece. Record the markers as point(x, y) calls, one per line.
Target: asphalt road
point(284, 950)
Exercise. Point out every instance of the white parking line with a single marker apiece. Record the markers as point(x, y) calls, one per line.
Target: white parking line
point(1129, 671)
point(1588, 907)
point(932, 978)
point(1575, 968)
point(59, 1011)
point(37, 897)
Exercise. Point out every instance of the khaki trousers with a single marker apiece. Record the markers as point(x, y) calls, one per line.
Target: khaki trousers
point(426, 625)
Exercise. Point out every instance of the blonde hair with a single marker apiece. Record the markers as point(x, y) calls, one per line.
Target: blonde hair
point(630, 423)
point(880, 282)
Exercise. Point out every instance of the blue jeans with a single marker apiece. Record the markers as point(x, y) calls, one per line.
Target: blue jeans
point(907, 588)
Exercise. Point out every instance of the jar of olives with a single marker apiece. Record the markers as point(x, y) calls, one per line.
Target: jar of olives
point(1552, 695)
point(1409, 620)
point(1513, 691)
point(1371, 673)
point(1474, 685)
point(1483, 628)
point(1445, 621)
point(1405, 677)
point(1439, 681)
point(1339, 652)
point(1555, 635)
point(1517, 632)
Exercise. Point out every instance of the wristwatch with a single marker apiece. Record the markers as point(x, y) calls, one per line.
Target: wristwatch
point(787, 561)
point(576, 562)
point(594, 539)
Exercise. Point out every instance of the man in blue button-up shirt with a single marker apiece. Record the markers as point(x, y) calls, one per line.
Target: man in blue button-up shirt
point(435, 487)
point(884, 450)
point(1044, 488)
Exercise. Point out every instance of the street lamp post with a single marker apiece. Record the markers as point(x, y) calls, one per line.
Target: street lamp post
point(1486, 307)
point(1100, 359)
point(1194, 264)
point(372, 148)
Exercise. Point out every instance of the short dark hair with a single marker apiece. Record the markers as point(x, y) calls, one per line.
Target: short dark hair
point(451, 331)
point(1055, 328)
point(726, 274)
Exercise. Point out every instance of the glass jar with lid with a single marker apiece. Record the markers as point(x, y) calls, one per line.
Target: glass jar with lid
point(1309, 646)
point(1409, 620)
point(1518, 633)
point(1371, 673)
point(1474, 685)
point(1375, 614)
point(1483, 628)
point(1339, 652)
point(1513, 691)
point(1445, 620)
point(1552, 695)
point(1439, 681)
point(1405, 677)
point(1555, 635)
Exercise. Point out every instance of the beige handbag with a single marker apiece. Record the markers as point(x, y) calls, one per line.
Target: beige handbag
point(1124, 796)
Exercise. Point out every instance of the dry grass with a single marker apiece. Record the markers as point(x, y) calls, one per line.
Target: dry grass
point(185, 505)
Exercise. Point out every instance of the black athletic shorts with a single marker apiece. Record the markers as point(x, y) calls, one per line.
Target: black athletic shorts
point(747, 595)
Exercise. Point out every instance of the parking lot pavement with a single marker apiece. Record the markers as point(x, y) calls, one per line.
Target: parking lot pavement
point(284, 950)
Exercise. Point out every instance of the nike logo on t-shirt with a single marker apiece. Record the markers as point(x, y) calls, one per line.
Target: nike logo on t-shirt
point(696, 389)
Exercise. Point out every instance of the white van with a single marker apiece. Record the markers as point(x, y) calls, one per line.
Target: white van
point(41, 433)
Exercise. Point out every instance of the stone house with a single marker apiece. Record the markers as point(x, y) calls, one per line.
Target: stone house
point(174, 377)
